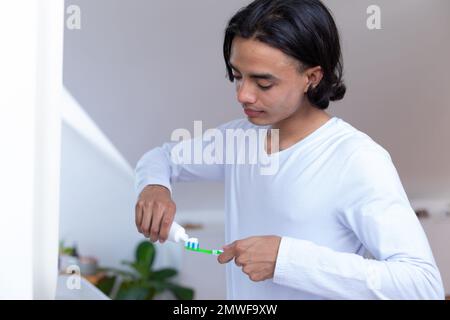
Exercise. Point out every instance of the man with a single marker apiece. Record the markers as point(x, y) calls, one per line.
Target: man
point(306, 231)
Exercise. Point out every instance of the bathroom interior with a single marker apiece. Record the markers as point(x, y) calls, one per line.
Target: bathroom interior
point(134, 71)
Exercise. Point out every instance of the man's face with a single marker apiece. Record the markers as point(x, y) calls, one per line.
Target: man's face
point(267, 80)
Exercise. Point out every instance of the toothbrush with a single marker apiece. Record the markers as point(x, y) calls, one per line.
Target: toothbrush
point(214, 252)
point(192, 245)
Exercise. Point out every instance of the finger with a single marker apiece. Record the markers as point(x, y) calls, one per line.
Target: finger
point(258, 276)
point(230, 245)
point(166, 223)
point(248, 269)
point(156, 223)
point(227, 255)
point(240, 260)
point(138, 214)
point(147, 219)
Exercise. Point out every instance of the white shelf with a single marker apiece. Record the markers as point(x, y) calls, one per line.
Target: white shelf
point(87, 290)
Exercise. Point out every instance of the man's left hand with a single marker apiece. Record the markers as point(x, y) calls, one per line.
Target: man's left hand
point(256, 255)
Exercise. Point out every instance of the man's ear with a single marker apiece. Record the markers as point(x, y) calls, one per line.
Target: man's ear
point(314, 75)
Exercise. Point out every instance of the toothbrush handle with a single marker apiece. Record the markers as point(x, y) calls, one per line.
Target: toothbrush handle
point(213, 252)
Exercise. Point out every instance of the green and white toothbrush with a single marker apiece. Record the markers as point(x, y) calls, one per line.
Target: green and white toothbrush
point(193, 245)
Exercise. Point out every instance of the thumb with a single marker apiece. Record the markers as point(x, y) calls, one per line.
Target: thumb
point(227, 255)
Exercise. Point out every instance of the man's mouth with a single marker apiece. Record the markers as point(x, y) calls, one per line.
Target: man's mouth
point(252, 112)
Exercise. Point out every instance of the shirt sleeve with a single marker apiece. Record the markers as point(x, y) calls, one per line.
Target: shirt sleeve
point(374, 206)
point(196, 159)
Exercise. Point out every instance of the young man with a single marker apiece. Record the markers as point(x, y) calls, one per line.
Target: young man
point(306, 231)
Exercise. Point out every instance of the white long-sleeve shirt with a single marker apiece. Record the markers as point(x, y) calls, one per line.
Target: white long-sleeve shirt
point(336, 200)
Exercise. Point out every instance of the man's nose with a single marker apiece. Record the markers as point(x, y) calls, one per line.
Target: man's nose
point(245, 94)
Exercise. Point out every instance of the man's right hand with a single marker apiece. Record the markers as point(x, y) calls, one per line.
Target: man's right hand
point(155, 212)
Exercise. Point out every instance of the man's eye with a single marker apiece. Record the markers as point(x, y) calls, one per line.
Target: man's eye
point(265, 87)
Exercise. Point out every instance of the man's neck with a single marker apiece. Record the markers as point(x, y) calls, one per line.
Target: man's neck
point(301, 124)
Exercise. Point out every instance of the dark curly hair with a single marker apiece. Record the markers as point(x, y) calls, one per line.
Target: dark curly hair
point(302, 29)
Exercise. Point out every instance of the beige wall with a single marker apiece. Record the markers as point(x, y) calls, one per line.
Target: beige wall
point(143, 68)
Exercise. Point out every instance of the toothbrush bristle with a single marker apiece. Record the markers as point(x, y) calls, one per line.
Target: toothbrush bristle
point(192, 243)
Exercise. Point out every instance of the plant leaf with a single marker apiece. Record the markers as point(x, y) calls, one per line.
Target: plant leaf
point(142, 270)
point(123, 273)
point(132, 291)
point(143, 283)
point(145, 254)
point(151, 294)
point(163, 274)
point(106, 284)
point(158, 285)
point(181, 293)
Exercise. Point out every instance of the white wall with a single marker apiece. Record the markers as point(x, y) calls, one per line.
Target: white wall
point(97, 191)
point(96, 201)
point(31, 84)
point(17, 120)
point(97, 194)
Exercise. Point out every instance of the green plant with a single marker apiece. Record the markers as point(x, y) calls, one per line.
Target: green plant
point(63, 250)
point(141, 282)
